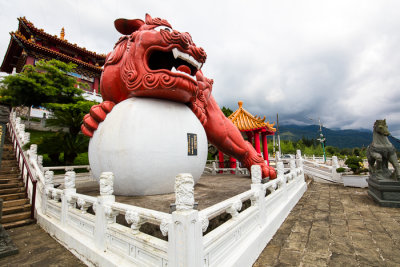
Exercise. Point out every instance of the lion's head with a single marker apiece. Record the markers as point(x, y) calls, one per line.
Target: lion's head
point(152, 60)
point(380, 127)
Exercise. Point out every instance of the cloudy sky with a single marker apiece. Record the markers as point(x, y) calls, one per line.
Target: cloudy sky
point(334, 60)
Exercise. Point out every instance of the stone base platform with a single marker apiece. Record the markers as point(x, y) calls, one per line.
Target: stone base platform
point(385, 192)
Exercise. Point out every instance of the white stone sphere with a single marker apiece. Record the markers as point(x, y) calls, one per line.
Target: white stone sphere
point(144, 142)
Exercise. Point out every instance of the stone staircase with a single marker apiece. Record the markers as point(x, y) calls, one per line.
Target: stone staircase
point(16, 207)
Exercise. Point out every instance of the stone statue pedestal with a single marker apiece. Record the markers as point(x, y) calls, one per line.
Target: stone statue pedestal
point(385, 192)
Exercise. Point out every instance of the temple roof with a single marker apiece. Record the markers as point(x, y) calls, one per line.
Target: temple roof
point(29, 40)
point(33, 30)
point(31, 44)
point(245, 121)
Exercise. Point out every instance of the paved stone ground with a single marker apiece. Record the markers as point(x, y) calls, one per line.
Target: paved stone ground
point(37, 248)
point(333, 225)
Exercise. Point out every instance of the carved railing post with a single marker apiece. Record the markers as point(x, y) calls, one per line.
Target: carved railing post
point(292, 166)
point(33, 152)
point(67, 200)
point(237, 170)
point(335, 165)
point(299, 159)
point(27, 138)
point(214, 168)
point(185, 245)
point(258, 196)
point(48, 184)
point(104, 212)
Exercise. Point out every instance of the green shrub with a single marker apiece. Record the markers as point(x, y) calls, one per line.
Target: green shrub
point(340, 170)
point(355, 164)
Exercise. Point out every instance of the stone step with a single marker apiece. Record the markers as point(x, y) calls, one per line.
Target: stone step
point(10, 180)
point(17, 202)
point(11, 184)
point(8, 191)
point(18, 223)
point(7, 170)
point(8, 163)
point(10, 176)
point(16, 209)
point(15, 217)
point(13, 196)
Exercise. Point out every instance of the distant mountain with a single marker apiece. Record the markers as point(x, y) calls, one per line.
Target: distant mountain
point(338, 138)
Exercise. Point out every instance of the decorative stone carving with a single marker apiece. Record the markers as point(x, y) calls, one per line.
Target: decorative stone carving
point(71, 201)
point(69, 180)
point(280, 168)
point(22, 128)
point(106, 184)
point(110, 214)
point(256, 174)
point(381, 152)
point(94, 207)
point(298, 154)
point(17, 123)
point(164, 227)
point(184, 191)
point(133, 218)
point(84, 206)
point(33, 150)
point(235, 208)
point(214, 168)
point(383, 184)
point(27, 138)
point(272, 188)
point(335, 163)
point(292, 165)
point(204, 223)
point(56, 196)
point(123, 78)
point(48, 178)
point(40, 161)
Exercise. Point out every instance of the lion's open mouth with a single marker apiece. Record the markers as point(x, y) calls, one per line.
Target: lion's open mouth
point(174, 61)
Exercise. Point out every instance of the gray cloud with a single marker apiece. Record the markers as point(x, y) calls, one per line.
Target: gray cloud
point(334, 60)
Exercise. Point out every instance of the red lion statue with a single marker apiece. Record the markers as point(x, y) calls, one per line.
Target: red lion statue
point(153, 60)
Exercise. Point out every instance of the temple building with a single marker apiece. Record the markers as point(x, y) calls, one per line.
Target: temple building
point(255, 128)
point(30, 44)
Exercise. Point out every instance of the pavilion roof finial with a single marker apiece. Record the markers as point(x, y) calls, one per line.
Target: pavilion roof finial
point(62, 34)
point(240, 103)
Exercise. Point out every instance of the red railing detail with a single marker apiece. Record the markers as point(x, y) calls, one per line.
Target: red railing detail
point(18, 153)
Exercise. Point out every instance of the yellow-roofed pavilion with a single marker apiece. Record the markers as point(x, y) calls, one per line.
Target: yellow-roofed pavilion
point(254, 127)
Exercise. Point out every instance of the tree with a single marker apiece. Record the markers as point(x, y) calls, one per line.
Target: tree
point(227, 111)
point(38, 85)
point(47, 84)
point(70, 116)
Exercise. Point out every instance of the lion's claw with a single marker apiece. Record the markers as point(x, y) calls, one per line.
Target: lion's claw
point(96, 115)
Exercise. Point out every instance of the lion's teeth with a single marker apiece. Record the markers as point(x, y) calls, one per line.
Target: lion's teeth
point(181, 72)
point(186, 57)
point(175, 52)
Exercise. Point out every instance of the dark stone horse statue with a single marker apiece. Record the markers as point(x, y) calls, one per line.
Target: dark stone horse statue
point(381, 152)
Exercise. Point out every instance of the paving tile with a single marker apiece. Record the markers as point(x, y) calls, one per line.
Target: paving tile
point(290, 257)
point(310, 259)
point(341, 260)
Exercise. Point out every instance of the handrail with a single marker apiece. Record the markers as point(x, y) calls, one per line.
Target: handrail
point(17, 147)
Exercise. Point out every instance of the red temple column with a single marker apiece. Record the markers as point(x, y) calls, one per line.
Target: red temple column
point(257, 142)
point(250, 137)
point(221, 160)
point(265, 147)
point(96, 85)
point(232, 163)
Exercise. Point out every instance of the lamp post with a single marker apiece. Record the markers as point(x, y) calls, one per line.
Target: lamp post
point(321, 138)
